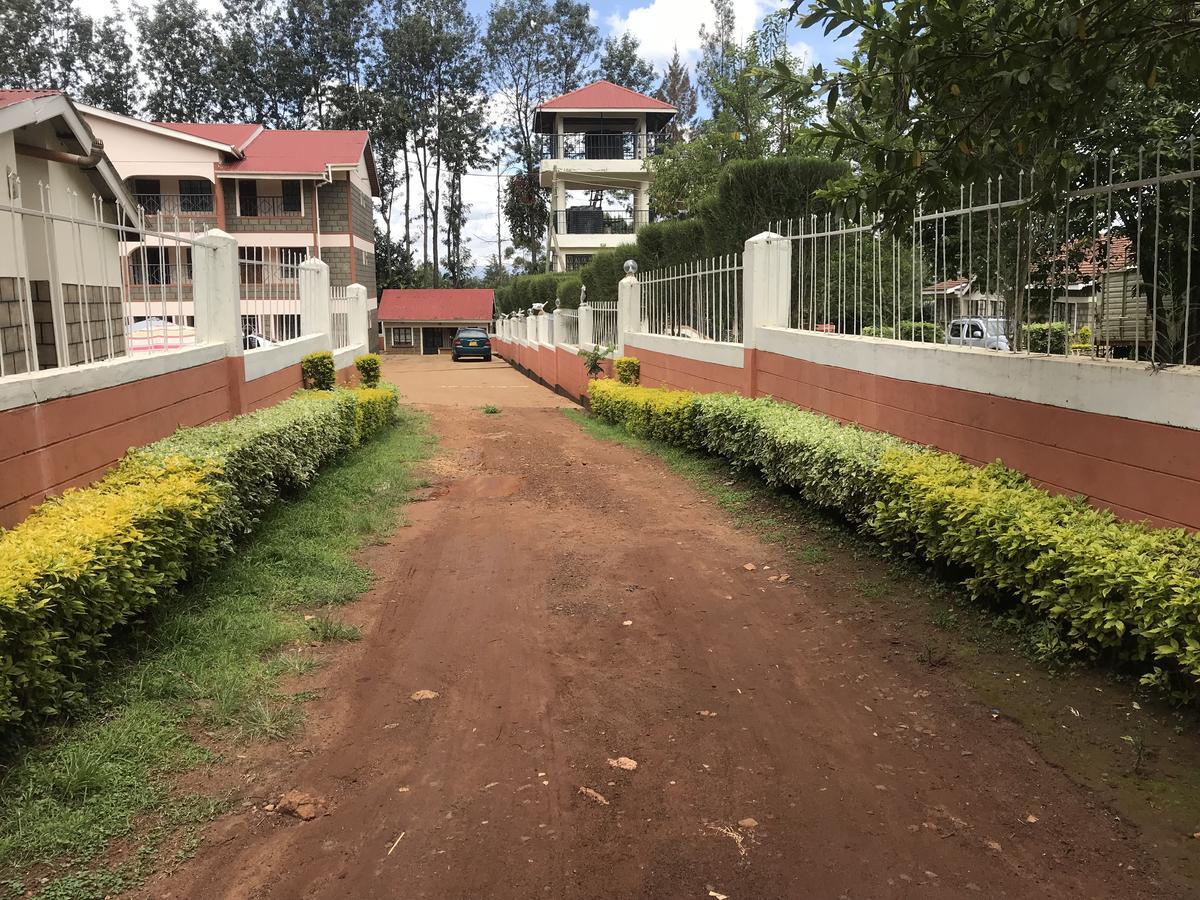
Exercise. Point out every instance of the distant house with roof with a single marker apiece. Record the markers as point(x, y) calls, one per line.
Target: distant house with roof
point(596, 143)
point(423, 320)
point(1095, 283)
point(62, 207)
point(286, 196)
point(956, 297)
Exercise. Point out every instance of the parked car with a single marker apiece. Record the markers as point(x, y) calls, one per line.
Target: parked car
point(255, 342)
point(471, 342)
point(978, 331)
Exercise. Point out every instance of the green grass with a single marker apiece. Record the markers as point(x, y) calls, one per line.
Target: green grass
point(491, 410)
point(208, 661)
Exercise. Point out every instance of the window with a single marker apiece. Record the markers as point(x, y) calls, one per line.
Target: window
point(576, 261)
point(402, 337)
point(292, 202)
point(195, 196)
point(148, 193)
point(247, 198)
point(976, 330)
point(956, 330)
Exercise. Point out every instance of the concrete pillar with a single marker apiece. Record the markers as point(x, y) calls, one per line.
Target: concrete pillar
point(766, 285)
point(585, 325)
point(358, 317)
point(217, 291)
point(314, 300)
point(629, 310)
point(558, 329)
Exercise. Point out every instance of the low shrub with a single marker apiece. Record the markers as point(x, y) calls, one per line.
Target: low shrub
point(628, 369)
point(91, 560)
point(368, 366)
point(568, 292)
point(1106, 586)
point(883, 331)
point(265, 454)
point(376, 408)
point(1047, 337)
point(317, 371)
point(929, 332)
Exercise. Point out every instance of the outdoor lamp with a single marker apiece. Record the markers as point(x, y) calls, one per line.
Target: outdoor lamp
point(630, 267)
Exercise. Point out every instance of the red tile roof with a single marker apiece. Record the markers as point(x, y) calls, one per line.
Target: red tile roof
point(436, 305)
point(606, 95)
point(945, 287)
point(235, 134)
point(12, 98)
point(299, 152)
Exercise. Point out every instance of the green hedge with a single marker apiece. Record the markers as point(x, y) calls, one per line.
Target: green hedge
point(1108, 586)
point(86, 563)
point(1047, 337)
point(568, 292)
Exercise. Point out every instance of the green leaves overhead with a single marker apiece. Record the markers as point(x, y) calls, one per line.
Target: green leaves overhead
point(949, 92)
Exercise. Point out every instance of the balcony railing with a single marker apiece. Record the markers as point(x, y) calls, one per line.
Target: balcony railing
point(176, 204)
point(604, 145)
point(158, 273)
point(262, 207)
point(589, 220)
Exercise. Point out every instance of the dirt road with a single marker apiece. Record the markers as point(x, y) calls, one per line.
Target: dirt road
point(573, 602)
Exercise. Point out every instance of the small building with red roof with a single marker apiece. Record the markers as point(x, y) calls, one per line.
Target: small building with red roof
point(597, 140)
point(424, 320)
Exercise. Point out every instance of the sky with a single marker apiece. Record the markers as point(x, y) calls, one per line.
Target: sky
point(659, 25)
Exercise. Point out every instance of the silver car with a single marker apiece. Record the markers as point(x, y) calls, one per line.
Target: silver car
point(978, 331)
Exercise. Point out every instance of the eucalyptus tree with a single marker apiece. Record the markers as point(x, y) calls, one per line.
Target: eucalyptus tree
point(622, 64)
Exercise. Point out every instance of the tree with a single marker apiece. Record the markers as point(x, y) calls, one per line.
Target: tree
point(956, 92)
point(112, 77)
point(621, 64)
point(179, 45)
point(676, 88)
point(718, 54)
point(40, 44)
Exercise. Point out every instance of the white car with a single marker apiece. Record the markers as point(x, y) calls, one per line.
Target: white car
point(978, 331)
point(255, 342)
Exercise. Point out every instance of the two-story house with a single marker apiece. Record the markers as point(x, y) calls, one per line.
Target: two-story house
point(286, 196)
point(596, 143)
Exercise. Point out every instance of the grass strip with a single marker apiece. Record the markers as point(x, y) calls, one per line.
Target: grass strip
point(208, 661)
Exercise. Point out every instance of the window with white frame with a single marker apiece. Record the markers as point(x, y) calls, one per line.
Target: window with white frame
point(402, 337)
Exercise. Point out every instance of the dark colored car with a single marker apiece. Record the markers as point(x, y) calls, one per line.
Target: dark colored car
point(471, 342)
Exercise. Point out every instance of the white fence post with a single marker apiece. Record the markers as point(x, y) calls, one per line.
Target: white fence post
point(217, 291)
point(585, 325)
point(531, 329)
point(766, 284)
point(314, 300)
point(629, 309)
point(543, 328)
point(358, 317)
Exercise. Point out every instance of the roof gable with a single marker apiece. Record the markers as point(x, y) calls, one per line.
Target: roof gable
point(606, 95)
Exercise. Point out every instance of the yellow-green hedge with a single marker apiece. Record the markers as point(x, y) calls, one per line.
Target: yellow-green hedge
point(83, 564)
point(1109, 586)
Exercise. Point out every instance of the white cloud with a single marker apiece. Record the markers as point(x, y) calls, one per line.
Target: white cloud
point(663, 25)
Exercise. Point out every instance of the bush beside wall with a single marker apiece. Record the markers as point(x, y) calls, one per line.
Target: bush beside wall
point(84, 564)
point(1108, 587)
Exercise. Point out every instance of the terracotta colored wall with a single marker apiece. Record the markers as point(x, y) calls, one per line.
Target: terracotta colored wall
point(572, 374)
point(665, 370)
point(547, 365)
point(270, 389)
point(1138, 469)
point(69, 442)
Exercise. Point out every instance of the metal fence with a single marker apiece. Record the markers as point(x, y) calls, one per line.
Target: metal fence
point(701, 300)
point(604, 322)
point(67, 295)
point(1105, 270)
point(270, 302)
point(339, 316)
point(568, 320)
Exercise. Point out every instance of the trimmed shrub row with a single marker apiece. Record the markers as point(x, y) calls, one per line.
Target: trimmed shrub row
point(85, 563)
point(1108, 587)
